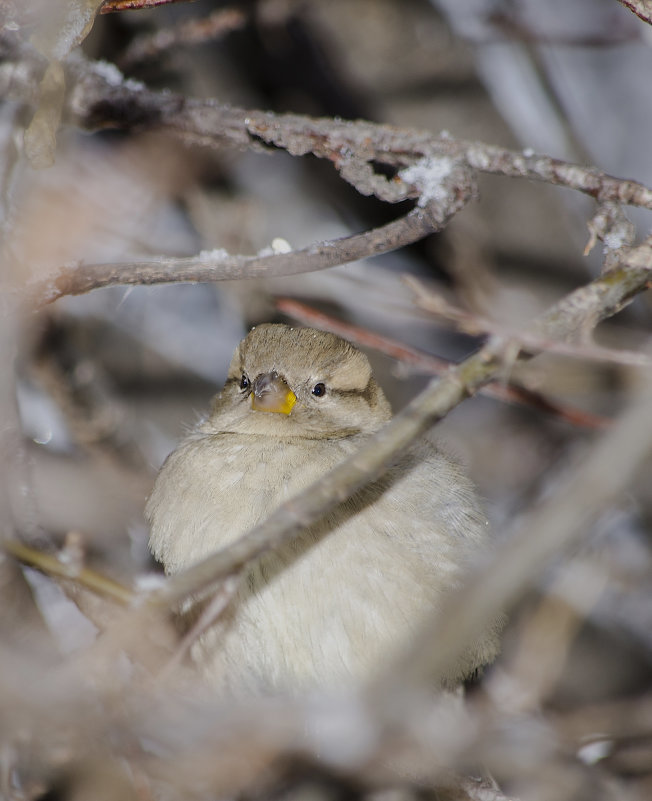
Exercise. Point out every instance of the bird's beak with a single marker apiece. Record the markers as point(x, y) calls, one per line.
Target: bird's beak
point(272, 394)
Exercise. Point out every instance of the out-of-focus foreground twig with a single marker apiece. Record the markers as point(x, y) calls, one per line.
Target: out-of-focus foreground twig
point(642, 9)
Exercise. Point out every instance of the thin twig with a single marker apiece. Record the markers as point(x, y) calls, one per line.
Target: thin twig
point(190, 32)
point(209, 615)
point(642, 9)
point(52, 565)
point(111, 6)
point(476, 325)
point(619, 719)
point(435, 365)
point(218, 265)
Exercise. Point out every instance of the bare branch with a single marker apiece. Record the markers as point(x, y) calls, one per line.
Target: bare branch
point(433, 169)
point(474, 324)
point(218, 265)
point(548, 530)
point(576, 315)
point(193, 31)
point(426, 362)
point(611, 226)
point(53, 565)
point(209, 615)
point(111, 6)
point(100, 97)
point(642, 9)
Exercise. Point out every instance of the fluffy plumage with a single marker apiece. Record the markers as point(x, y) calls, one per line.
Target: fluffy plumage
point(339, 602)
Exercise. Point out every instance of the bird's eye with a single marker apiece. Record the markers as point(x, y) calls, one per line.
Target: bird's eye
point(319, 389)
point(244, 382)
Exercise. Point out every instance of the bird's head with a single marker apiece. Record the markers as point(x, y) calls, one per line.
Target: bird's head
point(286, 381)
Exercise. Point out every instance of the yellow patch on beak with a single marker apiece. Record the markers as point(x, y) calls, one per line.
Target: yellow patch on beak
point(272, 394)
point(282, 405)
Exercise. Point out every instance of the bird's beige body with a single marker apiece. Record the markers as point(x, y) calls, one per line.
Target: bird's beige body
point(338, 603)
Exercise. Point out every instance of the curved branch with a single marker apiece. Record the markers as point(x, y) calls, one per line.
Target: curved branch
point(99, 97)
point(642, 9)
point(218, 265)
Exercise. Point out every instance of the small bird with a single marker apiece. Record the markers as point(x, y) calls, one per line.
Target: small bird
point(339, 602)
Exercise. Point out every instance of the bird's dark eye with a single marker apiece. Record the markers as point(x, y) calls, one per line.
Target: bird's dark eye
point(319, 389)
point(244, 382)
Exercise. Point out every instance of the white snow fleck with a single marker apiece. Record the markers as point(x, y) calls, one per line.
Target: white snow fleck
point(614, 240)
point(114, 77)
point(280, 245)
point(109, 72)
point(216, 254)
point(528, 152)
point(43, 439)
point(149, 582)
point(134, 86)
point(427, 175)
point(593, 752)
point(481, 160)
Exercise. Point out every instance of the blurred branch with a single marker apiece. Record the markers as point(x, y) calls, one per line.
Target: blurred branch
point(111, 6)
point(625, 718)
point(498, 582)
point(192, 31)
point(16, 497)
point(218, 265)
point(426, 362)
point(474, 324)
point(97, 420)
point(209, 615)
point(511, 26)
point(55, 565)
point(642, 9)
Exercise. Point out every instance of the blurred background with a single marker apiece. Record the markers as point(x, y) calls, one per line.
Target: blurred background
point(109, 381)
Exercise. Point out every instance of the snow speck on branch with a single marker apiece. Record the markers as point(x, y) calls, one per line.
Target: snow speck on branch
point(428, 175)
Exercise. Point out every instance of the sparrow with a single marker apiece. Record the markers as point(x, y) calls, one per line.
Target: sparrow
point(338, 603)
